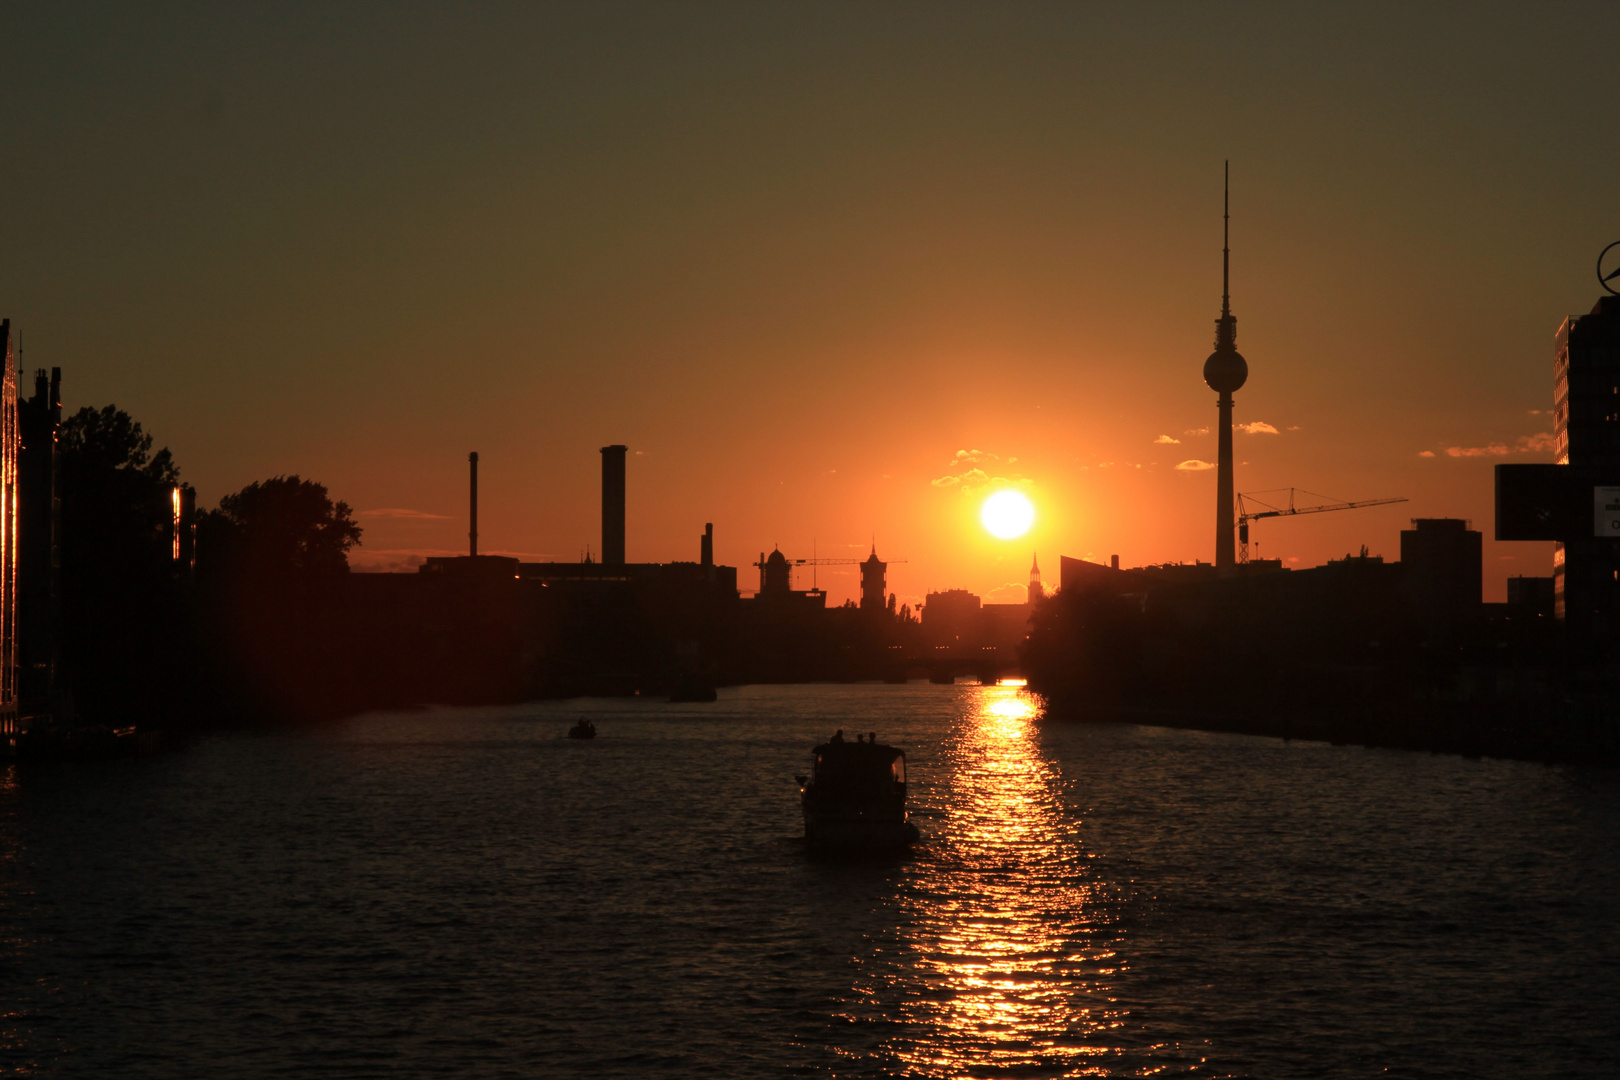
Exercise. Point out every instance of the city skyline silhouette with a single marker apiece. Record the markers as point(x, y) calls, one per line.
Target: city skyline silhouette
point(821, 274)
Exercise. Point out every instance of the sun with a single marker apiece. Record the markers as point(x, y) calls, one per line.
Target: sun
point(1007, 514)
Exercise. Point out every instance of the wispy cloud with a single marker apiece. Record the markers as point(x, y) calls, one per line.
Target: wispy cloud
point(977, 480)
point(1195, 431)
point(1257, 427)
point(394, 512)
point(1167, 440)
point(1539, 443)
point(398, 560)
point(1194, 465)
point(974, 457)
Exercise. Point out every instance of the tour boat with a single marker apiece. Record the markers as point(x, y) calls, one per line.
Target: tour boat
point(582, 730)
point(855, 797)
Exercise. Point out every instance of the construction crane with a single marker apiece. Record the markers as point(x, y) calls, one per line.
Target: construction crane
point(1245, 515)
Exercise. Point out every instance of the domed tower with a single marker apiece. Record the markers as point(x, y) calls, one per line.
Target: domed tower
point(1225, 371)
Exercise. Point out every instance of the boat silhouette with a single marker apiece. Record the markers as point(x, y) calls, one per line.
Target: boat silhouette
point(854, 798)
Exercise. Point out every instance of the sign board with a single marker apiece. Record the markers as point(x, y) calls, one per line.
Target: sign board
point(1557, 502)
point(1543, 502)
point(1606, 512)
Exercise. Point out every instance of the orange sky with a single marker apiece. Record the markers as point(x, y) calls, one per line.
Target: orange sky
point(807, 260)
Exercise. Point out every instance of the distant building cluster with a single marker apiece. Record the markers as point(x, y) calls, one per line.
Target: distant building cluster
point(476, 627)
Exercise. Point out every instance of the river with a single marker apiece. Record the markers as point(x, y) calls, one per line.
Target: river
point(465, 892)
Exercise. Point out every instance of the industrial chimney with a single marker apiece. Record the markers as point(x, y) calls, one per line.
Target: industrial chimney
point(613, 505)
point(472, 515)
point(707, 556)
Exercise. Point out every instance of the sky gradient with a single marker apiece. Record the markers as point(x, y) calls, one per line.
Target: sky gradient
point(827, 270)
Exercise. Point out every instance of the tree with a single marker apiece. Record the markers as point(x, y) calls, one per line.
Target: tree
point(285, 526)
point(107, 440)
point(270, 563)
point(123, 610)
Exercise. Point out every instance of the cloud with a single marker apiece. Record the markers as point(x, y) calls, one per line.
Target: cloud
point(973, 457)
point(404, 560)
point(1194, 465)
point(409, 515)
point(1258, 427)
point(1167, 440)
point(977, 480)
point(1534, 412)
point(1010, 593)
point(1539, 443)
point(969, 478)
point(1196, 431)
point(1295, 427)
point(384, 562)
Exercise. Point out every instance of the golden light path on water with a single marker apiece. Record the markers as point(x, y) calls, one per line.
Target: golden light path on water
point(1009, 932)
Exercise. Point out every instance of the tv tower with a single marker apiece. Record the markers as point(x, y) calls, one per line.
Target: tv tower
point(1225, 371)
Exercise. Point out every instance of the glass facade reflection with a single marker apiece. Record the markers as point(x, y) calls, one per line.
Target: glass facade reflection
point(8, 539)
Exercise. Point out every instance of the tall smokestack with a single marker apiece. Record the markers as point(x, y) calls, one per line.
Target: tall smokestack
point(472, 515)
point(613, 505)
point(707, 549)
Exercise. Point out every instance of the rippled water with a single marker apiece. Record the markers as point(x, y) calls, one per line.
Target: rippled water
point(467, 893)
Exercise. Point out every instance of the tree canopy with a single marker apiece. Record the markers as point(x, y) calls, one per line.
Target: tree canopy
point(109, 438)
point(289, 524)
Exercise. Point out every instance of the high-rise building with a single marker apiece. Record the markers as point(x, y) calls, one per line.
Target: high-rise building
point(9, 443)
point(39, 514)
point(1225, 371)
point(1586, 435)
point(1444, 562)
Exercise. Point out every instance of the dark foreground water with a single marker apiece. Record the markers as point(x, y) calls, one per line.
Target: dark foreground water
point(466, 893)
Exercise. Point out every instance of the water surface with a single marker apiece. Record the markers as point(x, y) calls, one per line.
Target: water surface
point(464, 892)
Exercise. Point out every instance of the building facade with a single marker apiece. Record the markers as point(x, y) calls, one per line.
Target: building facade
point(1586, 436)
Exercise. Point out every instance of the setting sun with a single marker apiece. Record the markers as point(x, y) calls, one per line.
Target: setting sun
point(1007, 514)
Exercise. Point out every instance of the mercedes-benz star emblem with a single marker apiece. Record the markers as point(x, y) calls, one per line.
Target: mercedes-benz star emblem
point(1605, 279)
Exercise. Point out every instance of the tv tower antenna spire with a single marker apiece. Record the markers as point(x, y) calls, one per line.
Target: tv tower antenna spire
point(1225, 371)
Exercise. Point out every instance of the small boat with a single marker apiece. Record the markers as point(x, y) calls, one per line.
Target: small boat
point(855, 798)
point(582, 730)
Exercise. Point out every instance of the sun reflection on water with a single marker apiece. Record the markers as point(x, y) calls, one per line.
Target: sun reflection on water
point(1006, 930)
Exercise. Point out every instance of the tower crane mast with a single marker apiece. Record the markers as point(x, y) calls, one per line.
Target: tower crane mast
point(1246, 515)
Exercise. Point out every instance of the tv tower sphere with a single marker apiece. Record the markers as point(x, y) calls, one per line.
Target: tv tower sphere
point(1226, 371)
